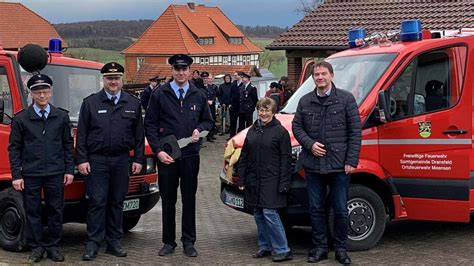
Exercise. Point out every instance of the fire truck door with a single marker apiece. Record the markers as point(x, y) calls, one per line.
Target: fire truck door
point(425, 147)
point(6, 81)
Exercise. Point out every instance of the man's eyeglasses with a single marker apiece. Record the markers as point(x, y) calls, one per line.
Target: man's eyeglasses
point(112, 78)
point(39, 93)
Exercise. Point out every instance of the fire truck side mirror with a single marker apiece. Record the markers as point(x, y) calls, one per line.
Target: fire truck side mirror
point(383, 108)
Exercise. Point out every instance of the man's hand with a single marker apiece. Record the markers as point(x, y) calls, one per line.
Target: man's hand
point(18, 184)
point(165, 158)
point(318, 149)
point(136, 168)
point(349, 169)
point(195, 136)
point(241, 188)
point(84, 168)
point(68, 178)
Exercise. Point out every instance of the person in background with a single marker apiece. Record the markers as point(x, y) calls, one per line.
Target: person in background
point(248, 100)
point(330, 144)
point(211, 92)
point(224, 100)
point(41, 161)
point(264, 173)
point(275, 93)
point(146, 93)
point(288, 92)
point(196, 74)
point(234, 103)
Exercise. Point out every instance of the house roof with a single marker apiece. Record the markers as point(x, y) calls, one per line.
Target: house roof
point(178, 28)
point(19, 25)
point(327, 26)
point(150, 70)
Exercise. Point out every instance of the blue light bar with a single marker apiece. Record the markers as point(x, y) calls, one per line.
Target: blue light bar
point(410, 30)
point(355, 34)
point(55, 46)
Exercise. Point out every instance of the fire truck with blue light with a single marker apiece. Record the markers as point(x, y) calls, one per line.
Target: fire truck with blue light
point(74, 80)
point(414, 89)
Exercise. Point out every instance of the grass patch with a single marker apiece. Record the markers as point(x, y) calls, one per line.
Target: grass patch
point(98, 55)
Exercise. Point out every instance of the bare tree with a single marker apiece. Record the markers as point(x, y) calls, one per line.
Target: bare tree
point(307, 6)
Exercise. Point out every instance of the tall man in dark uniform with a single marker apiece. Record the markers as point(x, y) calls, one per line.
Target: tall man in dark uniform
point(178, 108)
point(248, 101)
point(40, 152)
point(211, 92)
point(110, 125)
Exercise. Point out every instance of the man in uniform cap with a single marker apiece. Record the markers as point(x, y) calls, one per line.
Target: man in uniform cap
point(211, 92)
point(178, 108)
point(247, 102)
point(146, 93)
point(110, 125)
point(234, 103)
point(41, 159)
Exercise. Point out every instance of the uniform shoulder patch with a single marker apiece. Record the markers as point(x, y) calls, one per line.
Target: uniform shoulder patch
point(132, 95)
point(92, 94)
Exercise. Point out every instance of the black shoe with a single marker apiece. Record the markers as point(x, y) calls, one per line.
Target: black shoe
point(261, 254)
point(342, 257)
point(116, 251)
point(283, 256)
point(89, 255)
point(190, 251)
point(55, 255)
point(214, 138)
point(316, 255)
point(210, 140)
point(166, 250)
point(36, 255)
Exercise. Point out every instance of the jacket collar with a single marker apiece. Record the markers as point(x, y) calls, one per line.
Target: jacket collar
point(104, 98)
point(53, 112)
point(331, 98)
point(167, 88)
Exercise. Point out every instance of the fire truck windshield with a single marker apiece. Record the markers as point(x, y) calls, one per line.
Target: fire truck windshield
point(357, 74)
point(70, 86)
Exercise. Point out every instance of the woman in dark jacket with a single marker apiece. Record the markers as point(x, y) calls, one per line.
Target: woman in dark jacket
point(264, 170)
point(224, 100)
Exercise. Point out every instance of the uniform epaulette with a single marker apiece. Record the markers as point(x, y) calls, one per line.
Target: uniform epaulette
point(92, 94)
point(132, 95)
point(65, 110)
point(19, 112)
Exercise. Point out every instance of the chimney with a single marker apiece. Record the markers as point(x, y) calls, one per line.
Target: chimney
point(191, 5)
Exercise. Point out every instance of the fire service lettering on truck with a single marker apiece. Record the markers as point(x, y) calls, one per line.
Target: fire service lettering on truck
point(417, 161)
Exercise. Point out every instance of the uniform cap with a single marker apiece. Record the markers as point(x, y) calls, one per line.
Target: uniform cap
point(204, 74)
point(180, 60)
point(243, 74)
point(156, 78)
point(112, 68)
point(38, 81)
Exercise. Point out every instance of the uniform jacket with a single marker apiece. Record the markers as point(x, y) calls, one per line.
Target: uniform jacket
point(211, 92)
point(165, 116)
point(235, 96)
point(40, 148)
point(336, 124)
point(224, 93)
point(145, 96)
point(105, 129)
point(265, 165)
point(248, 98)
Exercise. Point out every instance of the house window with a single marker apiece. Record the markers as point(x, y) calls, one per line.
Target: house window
point(140, 62)
point(205, 41)
point(235, 40)
point(204, 61)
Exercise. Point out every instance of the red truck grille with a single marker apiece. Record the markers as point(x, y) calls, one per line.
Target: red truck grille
point(135, 183)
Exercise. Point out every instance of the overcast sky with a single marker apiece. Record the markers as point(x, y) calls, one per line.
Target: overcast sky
point(243, 12)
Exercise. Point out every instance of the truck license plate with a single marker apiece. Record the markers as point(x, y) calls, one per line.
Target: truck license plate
point(234, 200)
point(132, 204)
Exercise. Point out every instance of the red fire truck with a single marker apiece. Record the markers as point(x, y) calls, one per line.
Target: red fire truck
point(73, 80)
point(415, 102)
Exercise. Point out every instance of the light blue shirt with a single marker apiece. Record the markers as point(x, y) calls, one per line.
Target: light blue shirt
point(37, 110)
point(110, 95)
point(175, 88)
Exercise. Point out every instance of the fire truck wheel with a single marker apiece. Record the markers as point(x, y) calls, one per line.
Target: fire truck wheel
point(130, 222)
point(367, 218)
point(12, 220)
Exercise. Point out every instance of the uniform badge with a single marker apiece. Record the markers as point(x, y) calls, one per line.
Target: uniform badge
point(424, 129)
point(102, 111)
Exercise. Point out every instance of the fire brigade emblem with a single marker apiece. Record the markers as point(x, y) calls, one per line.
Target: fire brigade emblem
point(424, 129)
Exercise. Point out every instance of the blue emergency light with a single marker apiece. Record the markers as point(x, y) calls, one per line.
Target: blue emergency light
point(356, 34)
point(410, 30)
point(55, 45)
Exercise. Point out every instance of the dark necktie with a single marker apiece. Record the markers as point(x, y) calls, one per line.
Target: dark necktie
point(43, 114)
point(181, 94)
point(112, 99)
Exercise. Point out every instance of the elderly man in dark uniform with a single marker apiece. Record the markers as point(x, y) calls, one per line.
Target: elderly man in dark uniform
point(234, 103)
point(110, 125)
point(248, 101)
point(41, 159)
point(178, 108)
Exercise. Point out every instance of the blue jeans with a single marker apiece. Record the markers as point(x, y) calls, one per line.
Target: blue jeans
point(317, 188)
point(271, 233)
